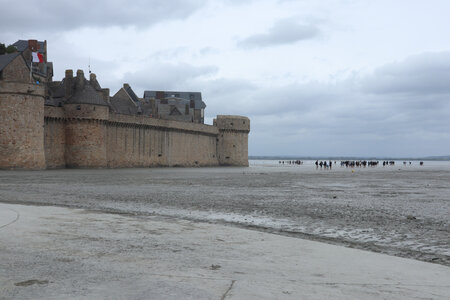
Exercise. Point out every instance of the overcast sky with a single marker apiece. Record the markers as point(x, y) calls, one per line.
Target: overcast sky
point(348, 77)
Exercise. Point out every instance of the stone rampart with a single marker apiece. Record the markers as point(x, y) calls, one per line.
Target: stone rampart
point(232, 141)
point(90, 136)
point(54, 137)
point(146, 142)
point(21, 126)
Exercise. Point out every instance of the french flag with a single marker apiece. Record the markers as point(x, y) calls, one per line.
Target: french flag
point(37, 57)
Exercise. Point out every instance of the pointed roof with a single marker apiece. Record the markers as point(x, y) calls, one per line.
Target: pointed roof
point(21, 45)
point(86, 95)
point(6, 59)
point(131, 93)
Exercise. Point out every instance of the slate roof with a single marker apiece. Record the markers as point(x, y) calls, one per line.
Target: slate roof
point(21, 45)
point(132, 95)
point(196, 96)
point(5, 59)
point(123, 105)
point(56, 93)
point(86, 95)
point(56, 89)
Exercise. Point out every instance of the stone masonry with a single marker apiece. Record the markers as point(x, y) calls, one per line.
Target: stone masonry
point(70, 124)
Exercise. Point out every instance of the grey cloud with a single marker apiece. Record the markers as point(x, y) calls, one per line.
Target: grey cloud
point(168, 54)
point(166, 76)
point(424, 74)
point(208, 51)
point(66, 15)
point(348, 119)
point(226, 96)
point(283, 32)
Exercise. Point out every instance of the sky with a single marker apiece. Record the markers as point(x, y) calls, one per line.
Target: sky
point(316, 78)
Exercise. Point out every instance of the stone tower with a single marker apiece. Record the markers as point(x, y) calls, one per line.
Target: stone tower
point(86, 113)
point(232, 142)
point(21, 125)
point(21, 112)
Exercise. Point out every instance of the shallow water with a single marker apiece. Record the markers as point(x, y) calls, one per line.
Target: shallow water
point(401, 210)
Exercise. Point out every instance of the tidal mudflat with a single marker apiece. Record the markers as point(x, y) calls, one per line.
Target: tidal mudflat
point(401, 210)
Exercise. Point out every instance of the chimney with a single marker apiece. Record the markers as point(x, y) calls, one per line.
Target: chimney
point(105, 94)
point(33, 45)
point(45, 50)
point(80, 79)
point(126, 85)
point(69, 74)
point(68, 84)
point(93, 82)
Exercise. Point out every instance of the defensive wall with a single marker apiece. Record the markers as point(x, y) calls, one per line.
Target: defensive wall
point(35, 136)
point(21, 126)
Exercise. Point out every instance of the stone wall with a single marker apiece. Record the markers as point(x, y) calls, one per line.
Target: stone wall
point(21, 126)
point(86, 136)
point(90, 136)
point(54, 143)
point(54, 137)
point(85, 143)
point(141, 141)
point(232, 142)
point(17, 71)
point(191, 149)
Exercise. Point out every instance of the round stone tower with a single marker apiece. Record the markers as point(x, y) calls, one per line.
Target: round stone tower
point(86, 114)
point(232, 142)
point(21, 125)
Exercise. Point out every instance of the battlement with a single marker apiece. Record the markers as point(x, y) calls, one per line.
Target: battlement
point(232, 123)
point(75, 123)
point(232, 141)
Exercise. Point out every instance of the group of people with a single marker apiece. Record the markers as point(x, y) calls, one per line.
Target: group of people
point(324, 164)
point(291, 162)
point(345, 163)
point(359, 163)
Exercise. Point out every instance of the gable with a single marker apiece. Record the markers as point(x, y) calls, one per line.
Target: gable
point(175, 112)
point(16, 69)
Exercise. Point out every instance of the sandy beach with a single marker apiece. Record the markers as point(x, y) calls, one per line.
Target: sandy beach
point(62, 253)
point(399, 210)
point(263, 232)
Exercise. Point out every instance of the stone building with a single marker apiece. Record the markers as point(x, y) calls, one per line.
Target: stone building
point(75, 123)
point(183, 106)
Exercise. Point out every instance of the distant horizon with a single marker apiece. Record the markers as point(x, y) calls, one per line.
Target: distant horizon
point(369, 157)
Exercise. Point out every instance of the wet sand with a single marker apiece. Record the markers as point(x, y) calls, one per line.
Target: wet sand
point(65, 253)
point(400, 210)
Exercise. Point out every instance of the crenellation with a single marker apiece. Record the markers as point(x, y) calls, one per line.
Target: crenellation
point(74, 123)
point(232, 140)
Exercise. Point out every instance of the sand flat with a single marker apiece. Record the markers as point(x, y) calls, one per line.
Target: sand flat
point(54, 253)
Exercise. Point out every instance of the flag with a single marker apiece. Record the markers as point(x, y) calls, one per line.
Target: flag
point(37, 57)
